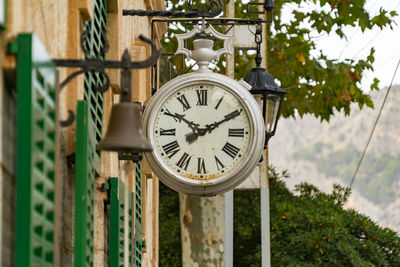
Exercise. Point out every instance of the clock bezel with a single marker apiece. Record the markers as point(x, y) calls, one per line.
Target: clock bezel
point(247, 163)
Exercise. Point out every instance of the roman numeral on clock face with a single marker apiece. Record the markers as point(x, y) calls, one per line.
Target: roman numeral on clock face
point(230, 149)
point(167, 131)
point(184, 102)
point(171, 148)
point(219, 163)
point(219, 102)
point(201, 167)
point(184, 161)
point(236, 132)
point(168, 113)
point(201, 97)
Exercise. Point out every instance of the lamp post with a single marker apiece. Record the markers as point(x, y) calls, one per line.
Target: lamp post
point(267, 93)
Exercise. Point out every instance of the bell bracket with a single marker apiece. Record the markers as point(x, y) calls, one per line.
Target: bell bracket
point(89, 64)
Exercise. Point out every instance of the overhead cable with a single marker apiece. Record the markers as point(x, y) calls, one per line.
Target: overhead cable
point(374, 126)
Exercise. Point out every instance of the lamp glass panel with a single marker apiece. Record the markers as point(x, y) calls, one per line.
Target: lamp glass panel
point(259, 100)
point(271, 108)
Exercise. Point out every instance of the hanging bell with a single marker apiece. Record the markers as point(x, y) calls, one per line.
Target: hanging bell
point(125, 133)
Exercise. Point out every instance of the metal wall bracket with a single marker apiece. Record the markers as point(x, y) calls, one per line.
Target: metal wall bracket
point(98, 65)
point(214, 9)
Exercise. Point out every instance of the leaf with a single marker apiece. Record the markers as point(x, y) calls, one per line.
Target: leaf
point(300, 58)
point(369, 102)
point(281, 55)
point(375, 84)
point(354, 75)
point(346, 96)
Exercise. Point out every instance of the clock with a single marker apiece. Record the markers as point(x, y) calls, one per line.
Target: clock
point(207, 133)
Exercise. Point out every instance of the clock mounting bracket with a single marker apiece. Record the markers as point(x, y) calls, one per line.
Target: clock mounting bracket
point(203, 52)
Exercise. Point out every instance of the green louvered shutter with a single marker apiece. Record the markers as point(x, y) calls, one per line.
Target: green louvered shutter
point(138, 240)
point(88, 134)
point(118, 203)
point(95, 44)
point(87, 169)
point(36, 82)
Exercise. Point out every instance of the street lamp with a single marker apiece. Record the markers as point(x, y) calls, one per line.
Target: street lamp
point(264, 89)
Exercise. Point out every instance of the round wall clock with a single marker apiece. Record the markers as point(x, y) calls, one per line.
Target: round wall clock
point(207, 133)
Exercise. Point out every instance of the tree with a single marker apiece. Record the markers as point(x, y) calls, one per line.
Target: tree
point(308, 228)
point(170, 252)
point(317, 85)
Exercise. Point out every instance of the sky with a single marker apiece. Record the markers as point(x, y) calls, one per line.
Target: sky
point(358, 44)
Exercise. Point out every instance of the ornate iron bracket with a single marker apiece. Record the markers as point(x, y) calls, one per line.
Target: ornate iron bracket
point(213, 10)
point(90, 64)
point(196, 15)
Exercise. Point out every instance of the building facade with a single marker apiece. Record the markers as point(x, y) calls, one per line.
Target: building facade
point(63, 203)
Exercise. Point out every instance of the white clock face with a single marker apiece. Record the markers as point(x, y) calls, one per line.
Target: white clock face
point(201, 132)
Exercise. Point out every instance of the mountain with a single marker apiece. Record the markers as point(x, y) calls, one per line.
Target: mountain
point(323, 153)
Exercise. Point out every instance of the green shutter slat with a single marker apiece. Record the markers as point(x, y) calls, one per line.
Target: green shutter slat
point(36, 82)
point(88, 134)
point(118, 202)
point(95, 43)
point(116, 223)
point(138, 244)
point(85, 174)
point(130, 225)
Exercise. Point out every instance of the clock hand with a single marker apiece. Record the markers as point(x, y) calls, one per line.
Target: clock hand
point(181, 117)
point(196, 131)
point(191, 124)
point(192, 137)
point(211, 127)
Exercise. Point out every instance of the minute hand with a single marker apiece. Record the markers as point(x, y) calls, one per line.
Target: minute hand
point(230, 116)
point(181, 117)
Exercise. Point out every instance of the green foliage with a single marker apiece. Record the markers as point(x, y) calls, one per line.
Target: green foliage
point(317, 85)
point(309, 228)
point(170, 250)
point(313, 228)
point(246, 232)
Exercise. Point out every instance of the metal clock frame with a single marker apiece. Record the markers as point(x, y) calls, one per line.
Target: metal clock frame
point(249, 160)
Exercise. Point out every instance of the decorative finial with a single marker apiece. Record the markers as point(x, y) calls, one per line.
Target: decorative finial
point(203, 52)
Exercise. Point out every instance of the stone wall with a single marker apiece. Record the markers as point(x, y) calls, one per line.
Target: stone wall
point(58, 24)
